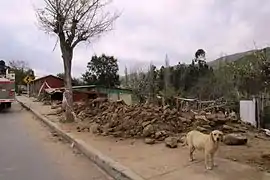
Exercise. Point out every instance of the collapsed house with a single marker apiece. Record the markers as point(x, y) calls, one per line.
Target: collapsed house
point(52, 88)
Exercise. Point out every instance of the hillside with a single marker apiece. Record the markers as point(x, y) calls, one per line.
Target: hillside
point(233, 57)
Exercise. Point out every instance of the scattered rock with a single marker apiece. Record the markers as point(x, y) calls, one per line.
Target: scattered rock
point(144, 124)
point(78, 129)
point(188, 115)
point(235, 139)
point(82, 115)
point(202, 113)
point(201, 129)
point(54, 134)
point(267, 132)
point(200, 117)
point(161, 135)
point(171, 142)
point(210, 117)
point(260, 168)
point(55, 106)
point(232, 158)
point(106, 128)
point(233, 115)
point(47, 103)
point(148, 130)
point(227, 127)
point(206, 126)
point(265, 156)
point(94, 128)
point(221, 115)
point(149, 141)
point(83, 129)
point(184, 120)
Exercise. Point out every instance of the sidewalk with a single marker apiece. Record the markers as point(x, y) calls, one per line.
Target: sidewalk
point(155, 162)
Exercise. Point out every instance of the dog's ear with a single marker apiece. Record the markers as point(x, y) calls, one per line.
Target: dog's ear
point(212, 137)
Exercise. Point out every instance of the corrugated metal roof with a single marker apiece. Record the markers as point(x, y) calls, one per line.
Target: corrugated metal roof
point(96, 86)
point(99, 86)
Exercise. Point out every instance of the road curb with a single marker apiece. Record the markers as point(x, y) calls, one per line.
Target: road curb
point(113, 168)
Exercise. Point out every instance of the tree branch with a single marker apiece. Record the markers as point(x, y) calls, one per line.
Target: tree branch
point(74, 21)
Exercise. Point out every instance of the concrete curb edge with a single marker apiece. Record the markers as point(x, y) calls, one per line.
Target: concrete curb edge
point(113, 168)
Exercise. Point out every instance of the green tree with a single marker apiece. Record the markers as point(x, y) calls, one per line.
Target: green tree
point(151, 83)
point(61, 75)
point(249, 75)
point(102, 70)
point(263, 57)
point(197, 71)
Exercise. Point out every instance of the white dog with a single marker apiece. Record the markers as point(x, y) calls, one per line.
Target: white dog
point(208, 143)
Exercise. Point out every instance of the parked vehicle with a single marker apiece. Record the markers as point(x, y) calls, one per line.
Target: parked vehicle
point(7, 86)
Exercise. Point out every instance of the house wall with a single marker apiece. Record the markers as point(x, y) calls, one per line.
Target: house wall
point(113, 96)
point(117, 95)
point(127, 98)
point(79, 96)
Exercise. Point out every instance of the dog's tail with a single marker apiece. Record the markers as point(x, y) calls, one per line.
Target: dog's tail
point(185, 141)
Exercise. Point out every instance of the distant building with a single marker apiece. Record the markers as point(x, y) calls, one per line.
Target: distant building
point(81, 93)
point(54, 86)
point(39, 85)
point(113, 94)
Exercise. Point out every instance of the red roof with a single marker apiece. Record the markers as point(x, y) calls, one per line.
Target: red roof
point(44, 77)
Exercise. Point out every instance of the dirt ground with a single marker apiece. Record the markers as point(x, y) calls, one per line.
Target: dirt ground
point(249, 154)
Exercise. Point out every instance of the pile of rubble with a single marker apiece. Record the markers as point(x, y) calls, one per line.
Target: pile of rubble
point(149, 121)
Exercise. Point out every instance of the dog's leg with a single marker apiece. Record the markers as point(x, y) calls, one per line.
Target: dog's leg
point(207, 158)
point(191, 151)
point(212, 161)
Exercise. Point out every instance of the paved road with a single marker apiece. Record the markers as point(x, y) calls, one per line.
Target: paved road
point(28, 151)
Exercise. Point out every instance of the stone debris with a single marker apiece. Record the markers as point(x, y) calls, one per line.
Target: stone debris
point(265, 156)
point(267, 132)
point(149, 141)
point(235, 139)
point(171, 142)
point(149, 121)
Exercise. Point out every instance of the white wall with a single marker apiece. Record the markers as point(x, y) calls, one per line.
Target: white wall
point(127, 98)
point(113, 97)
point(247, 111)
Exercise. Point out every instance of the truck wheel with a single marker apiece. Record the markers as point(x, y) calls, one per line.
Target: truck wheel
point(8, 105)
point(1, 106)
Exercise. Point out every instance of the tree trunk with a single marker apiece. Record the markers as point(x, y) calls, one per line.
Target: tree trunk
point(67, 55)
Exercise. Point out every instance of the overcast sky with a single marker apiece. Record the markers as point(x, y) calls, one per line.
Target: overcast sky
point(145, 32)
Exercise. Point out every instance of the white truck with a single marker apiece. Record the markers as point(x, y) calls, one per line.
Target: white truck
point(7, 86)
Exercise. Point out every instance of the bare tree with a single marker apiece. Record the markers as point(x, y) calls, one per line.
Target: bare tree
point(19, 64)
point(74, 21)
